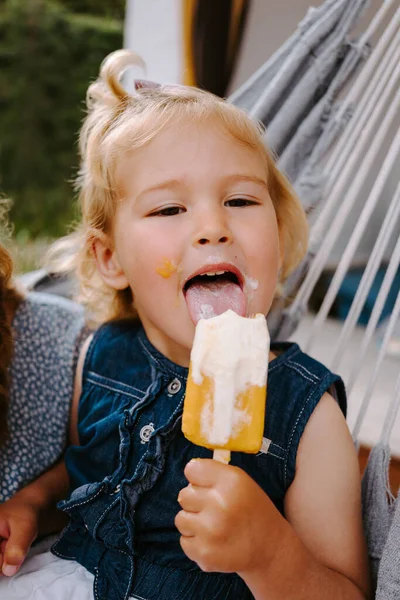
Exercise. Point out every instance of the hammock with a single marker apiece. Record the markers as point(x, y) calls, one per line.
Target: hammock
point(330, 103)
point(329, 148)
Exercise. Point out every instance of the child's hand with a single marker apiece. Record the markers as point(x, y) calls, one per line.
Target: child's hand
point(18, 529)
point(228, 524)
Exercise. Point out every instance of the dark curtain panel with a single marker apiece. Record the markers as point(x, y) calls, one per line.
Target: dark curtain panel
point(215, 33)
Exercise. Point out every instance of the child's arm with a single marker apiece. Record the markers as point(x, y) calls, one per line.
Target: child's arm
point(32, 510)
point(229, 524)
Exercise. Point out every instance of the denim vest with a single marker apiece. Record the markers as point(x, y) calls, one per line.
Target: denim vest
point(128, 470)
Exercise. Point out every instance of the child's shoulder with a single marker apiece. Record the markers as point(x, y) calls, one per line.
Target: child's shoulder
point(114, 335)
point(295, 372)
point(296, 385)
point(115, 350)
point(293, 369)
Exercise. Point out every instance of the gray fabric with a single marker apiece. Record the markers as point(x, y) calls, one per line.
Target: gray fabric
point(388, 587)
point(48, 332)
point(320, 128)
point(295, 102)
point(378, 505)
point(249, 93)
point(307, 60)
point(294, 95)
point(306, 68)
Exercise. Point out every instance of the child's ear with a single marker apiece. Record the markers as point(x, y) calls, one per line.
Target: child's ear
point(108, 264)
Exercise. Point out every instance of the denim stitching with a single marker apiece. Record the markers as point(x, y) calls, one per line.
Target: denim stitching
point(276, 446)
point(102, 515)
point(290, 366)
point(306, 370)
point(116, 382)
point(108, 387)
point(86, 501)
point(286, 360)
point(137, 597)
point(96, 579)
point(294, 428)
point(130, 574)
point(270, 454)
point(161, 366)
point(126, 595)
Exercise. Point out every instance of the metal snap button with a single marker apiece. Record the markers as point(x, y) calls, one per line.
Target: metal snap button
point(174, 387)
point(146, 432)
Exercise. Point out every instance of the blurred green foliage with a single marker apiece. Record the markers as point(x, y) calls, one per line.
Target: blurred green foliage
point(103, 8)
point(48, 56)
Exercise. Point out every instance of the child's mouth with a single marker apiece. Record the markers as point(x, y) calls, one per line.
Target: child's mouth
point(212, 293)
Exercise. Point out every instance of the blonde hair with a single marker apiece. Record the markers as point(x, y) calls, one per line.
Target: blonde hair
point(118, 122)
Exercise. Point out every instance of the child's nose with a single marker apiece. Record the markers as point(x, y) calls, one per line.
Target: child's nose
point(212, 229)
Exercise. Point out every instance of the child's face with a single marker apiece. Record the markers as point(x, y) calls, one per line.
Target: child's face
point(193, 200)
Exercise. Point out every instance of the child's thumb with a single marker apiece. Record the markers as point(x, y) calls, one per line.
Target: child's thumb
point(16, 549)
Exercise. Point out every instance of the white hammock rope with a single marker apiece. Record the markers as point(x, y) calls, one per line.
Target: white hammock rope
point(349, 199)
point(365, 121)
point(391, 415)
point(373, 102)
point(258, 108)
point(385, 233)
point(382, 353)
point(379, 89)
point(377, 310)
point(364, 78)
point(356, 236)
point(382, 84)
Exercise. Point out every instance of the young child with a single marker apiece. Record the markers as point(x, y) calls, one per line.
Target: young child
point(40, 338)
point(180, 199)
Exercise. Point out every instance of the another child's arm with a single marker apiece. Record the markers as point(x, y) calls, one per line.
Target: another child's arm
point(32, 510)
point(228, 524)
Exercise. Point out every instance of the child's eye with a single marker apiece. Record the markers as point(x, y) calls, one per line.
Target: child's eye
point(236, 202)
point(168, 211)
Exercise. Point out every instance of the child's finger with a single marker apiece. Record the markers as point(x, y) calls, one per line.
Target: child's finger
point(204, 472)
point(4, 529)
point(17, 546)
point(192, 498)
point(185, 524)
point(190, 546)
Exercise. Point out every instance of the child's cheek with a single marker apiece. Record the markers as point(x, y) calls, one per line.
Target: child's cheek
point(167, 268)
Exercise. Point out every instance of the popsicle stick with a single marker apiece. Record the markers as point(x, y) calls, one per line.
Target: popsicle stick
point(223, 456)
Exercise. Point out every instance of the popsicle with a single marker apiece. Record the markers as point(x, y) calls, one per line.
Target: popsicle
point(224, 407)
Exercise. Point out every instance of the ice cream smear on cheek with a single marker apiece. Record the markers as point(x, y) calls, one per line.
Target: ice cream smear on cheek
point(232, 353)
point(167, 268)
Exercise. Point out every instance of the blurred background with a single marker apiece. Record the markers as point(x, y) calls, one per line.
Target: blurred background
point(51, 49)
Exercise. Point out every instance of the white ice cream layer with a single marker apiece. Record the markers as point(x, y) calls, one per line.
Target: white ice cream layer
point(233, 351)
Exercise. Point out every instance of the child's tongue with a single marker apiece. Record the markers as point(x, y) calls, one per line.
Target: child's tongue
point(209, 299)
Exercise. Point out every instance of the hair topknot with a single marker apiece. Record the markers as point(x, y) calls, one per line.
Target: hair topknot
point(108, 89)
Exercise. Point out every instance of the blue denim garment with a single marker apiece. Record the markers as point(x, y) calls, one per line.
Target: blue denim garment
point(128, 471)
